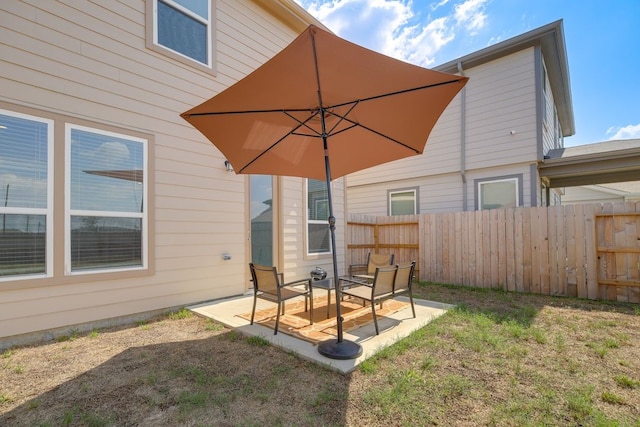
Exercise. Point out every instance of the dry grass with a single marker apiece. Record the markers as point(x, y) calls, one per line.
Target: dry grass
point(499, 359)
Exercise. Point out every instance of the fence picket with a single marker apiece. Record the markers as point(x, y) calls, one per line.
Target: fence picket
point(501, 252)
point(494, 278)
point(511, 248)
point(590, 251)
point(580, 237)
point(543, 231)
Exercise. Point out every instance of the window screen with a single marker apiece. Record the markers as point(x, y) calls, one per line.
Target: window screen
point(318, 235)
point(184, 27)
point(24, 194)
point(498, 194)
point(106, 214)
point(402, 202)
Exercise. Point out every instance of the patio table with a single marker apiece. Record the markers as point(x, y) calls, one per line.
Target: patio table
point(345, 281)
point(325, 284)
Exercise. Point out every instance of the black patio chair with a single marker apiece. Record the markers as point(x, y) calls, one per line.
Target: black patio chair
point(269, 285)
point(404, 280)
point(367, 269)
point(375, 292)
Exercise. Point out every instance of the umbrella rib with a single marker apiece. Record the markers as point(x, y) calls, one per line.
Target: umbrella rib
point(356, 124)
point(311, 110)
point(265, 151)
point(399, 92)
point(315, 111)
point(280, 110)
point(301, 123)
point(342, 117)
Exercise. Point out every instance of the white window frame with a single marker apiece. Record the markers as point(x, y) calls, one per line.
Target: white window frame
point(73, 212)
point(515, 180)
point(48, 211)
point(391, 193)
point(209, 21)
point(313, 221)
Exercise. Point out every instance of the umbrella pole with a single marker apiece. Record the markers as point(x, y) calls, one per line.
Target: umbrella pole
point(336, 348)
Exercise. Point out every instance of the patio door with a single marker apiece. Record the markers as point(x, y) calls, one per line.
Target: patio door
point(263, 220)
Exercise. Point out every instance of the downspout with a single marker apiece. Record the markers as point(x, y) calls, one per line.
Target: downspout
point(463, 140)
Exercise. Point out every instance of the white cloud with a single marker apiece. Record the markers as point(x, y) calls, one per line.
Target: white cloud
point(470, 14)
point(23, 190)
point(397, 28)
point(626, 132)
point(435, 6)
point(419, 45)
point(111, 154)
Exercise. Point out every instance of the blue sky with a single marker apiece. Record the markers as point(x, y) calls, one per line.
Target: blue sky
point(602, 39)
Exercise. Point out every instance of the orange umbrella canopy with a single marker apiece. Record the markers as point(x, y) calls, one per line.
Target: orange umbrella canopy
point(376, 109)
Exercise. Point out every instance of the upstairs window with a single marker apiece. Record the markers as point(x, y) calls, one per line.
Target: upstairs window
point(183, 28)
point(318, 233)
point(499, 193)
point(26, 194)
point(106, 215)
point(403, 202)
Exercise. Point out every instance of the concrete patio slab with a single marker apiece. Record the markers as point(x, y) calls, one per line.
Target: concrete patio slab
point(392, 328)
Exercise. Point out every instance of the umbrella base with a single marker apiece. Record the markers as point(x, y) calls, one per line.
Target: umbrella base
point(341, 350)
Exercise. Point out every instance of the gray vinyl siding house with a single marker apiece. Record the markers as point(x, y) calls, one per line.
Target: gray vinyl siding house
point(514, 109)
point(93, 92)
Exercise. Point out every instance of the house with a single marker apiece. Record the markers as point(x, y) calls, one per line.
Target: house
point(485, 150)
point(601, 172)
point(619, 192)
point(113, 208)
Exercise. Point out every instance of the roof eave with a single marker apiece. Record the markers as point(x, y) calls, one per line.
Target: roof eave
point(290, 13)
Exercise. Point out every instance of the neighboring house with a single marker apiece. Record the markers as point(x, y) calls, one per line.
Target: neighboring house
point(603, 172)
point(619, 192)
point(485, 150)
point(112, 206)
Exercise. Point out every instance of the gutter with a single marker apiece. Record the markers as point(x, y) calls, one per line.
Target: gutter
point(291, 14)
point(463, 140)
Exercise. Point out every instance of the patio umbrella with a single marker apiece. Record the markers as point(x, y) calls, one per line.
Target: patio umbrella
point(323, 108)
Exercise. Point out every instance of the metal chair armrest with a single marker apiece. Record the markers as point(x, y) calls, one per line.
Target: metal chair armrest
point(306, 282)
point(357, 266)
point(350, 281)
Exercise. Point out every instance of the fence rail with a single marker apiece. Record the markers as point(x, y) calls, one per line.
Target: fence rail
point(590, 251)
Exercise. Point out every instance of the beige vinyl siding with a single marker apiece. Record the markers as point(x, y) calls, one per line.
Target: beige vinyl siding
point(294, 230)
point(88, 62)
point(437, 193)
point(592, 194)
point(441, 153)
point(501, 98)
point(442, 193)
point(368, 199)
point(550, 133)
point(498, 173)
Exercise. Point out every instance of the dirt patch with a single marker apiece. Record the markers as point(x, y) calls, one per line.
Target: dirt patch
point(189, 371)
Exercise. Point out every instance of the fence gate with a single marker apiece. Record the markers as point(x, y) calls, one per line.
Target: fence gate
point(618, 249)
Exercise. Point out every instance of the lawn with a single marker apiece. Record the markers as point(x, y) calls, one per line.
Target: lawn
point(499, 358)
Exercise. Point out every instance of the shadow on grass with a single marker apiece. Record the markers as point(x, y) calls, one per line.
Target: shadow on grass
point(505, 306)
point(225, 379)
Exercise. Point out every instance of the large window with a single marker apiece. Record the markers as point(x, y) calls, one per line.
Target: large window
point(499, 193)
point(106, 213)
point(26, 189)
point(318, 237)
point(403, 202)
point(184, 28)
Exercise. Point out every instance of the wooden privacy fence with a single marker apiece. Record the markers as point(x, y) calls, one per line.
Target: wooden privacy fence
point(398, 235)
point(590, 251)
